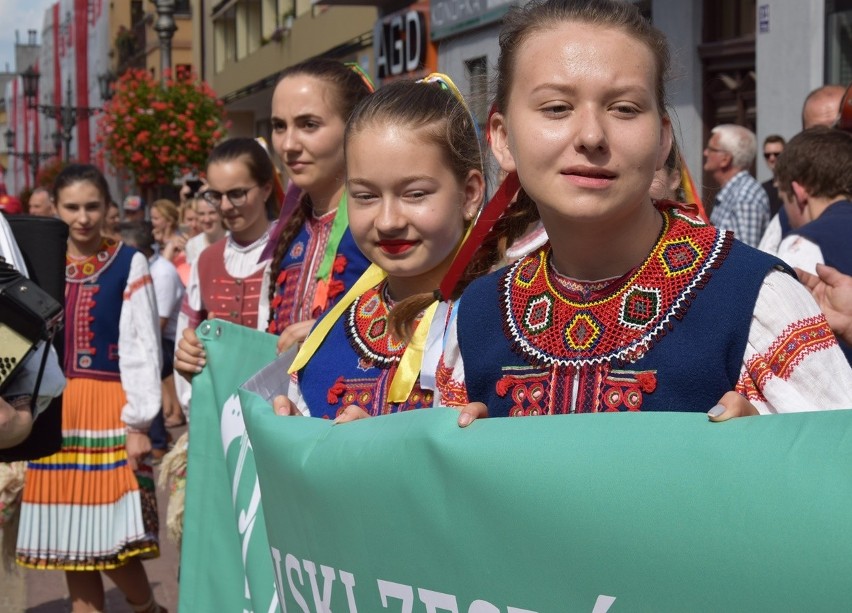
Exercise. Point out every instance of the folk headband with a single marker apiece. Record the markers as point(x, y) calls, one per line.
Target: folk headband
point(356, 68)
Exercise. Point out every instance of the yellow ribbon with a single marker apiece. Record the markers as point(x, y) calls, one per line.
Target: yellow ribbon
point(371, 277)
point(408, 370)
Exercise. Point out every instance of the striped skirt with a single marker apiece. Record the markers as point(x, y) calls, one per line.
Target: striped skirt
point(83, 508)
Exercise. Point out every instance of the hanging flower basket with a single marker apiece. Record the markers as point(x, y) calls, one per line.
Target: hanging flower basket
point(156, 131)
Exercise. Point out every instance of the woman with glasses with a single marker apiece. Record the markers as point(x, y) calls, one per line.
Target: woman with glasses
point(227, 281)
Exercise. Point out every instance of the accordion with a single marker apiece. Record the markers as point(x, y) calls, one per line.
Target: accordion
point(28, 315)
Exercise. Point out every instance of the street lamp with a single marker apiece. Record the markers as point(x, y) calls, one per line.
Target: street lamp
point(31, 157)
point(165, 28)
point(66, 115)
point(105, 82)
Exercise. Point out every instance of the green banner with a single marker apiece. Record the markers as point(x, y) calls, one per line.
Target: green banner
point(609, 512)
point(225, 563)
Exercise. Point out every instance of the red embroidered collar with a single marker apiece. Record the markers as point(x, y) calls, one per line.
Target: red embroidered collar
point(369, 332)
point(80, 271)
point(549, 325)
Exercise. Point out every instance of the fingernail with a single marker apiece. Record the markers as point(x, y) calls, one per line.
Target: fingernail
point(716, 411)
point(465, 419)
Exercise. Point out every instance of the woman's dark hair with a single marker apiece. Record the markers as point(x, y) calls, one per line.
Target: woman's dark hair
point(521, 21)
point(348, 88)
point(257, 160)
point(76, 173)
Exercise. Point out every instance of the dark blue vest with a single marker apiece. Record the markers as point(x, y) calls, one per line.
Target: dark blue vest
point(347, 370)
point(92, 313)
point(292, 263)
point(832, 231)
point(689, 367)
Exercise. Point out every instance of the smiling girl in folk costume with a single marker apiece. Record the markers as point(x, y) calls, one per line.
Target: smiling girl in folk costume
point(315, 260)
point(84, 510)
point(633, 305)
point(415, 183)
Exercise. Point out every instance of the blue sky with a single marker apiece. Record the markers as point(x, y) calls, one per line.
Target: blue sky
point(22, 15)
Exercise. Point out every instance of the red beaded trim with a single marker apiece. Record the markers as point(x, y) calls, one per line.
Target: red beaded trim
point(548, 327)
point(368, 330)
point(80, 271)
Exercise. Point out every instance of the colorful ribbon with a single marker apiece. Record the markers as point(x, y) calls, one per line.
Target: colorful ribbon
point(326, 267)
point(489, 215)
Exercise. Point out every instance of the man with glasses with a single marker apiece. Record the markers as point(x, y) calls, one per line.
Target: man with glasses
point(773, 145)
point(742, 205)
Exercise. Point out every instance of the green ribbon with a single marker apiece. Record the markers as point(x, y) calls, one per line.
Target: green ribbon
point(338, 227)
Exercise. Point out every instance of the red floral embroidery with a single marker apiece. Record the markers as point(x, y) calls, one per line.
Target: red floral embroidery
point(453, 392)
point(647, 381)
point(336, 391)
point(339, 265)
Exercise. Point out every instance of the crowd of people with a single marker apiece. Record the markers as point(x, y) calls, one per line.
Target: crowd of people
point(584, 284)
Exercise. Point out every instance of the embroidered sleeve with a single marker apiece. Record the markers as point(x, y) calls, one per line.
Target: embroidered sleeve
point(450, 390)
point(792, 360)
point(139, 357)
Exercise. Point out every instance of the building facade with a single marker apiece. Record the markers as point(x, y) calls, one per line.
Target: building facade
point(245, 44)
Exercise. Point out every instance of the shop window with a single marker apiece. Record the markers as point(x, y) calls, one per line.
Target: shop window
point(838, 41)
point(225, 33)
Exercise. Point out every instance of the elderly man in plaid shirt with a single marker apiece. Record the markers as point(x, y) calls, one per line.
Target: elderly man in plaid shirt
point(742, 204)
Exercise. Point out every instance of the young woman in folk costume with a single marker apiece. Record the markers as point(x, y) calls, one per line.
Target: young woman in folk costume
point(228, 280)
point(633, 305)
point(92, 506)
point(415, 183)
point(314, 259)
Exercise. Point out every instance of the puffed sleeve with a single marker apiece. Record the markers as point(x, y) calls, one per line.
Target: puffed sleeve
point(191, 314)
point(139, 358)
point(792, 361)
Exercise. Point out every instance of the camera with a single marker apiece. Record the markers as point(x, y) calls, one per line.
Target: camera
point(194, 185)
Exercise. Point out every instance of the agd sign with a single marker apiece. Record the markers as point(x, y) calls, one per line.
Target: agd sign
point(402, 40)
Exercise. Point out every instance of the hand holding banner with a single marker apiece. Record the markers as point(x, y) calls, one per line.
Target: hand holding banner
point(606, 512)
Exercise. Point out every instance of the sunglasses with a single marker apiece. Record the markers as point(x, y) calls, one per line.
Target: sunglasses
point(770, 154)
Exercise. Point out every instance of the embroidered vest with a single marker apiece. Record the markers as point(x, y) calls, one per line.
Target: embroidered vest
point(94, 295)
point(356, 363)
point(226, 297)
point(296, 283)
point(832, 231)
point(670, 338)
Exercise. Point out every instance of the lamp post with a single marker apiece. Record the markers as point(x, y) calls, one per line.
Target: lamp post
point(66, 115)
point(105, 82)
point(31, 157)
point(165, 28)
